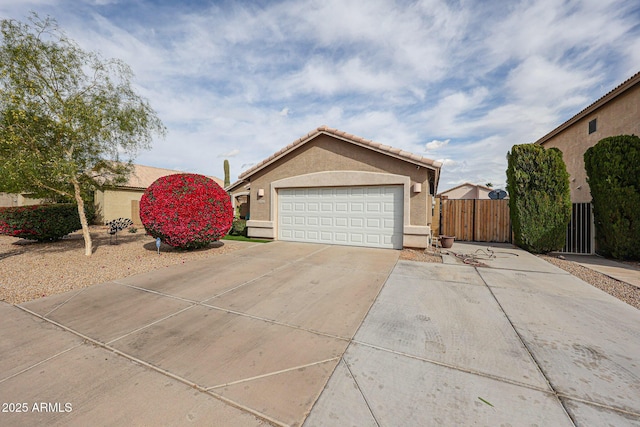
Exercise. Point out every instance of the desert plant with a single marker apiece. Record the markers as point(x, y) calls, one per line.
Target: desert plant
point(133, 230)
point(187, 211)
point(613, 174)
point(227, 179)
point(239, 227)
point(539, 197)
point(40, 222)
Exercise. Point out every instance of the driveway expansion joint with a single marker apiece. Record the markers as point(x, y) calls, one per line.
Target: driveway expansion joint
point(142, 363)
point(269, 374)
point(366, 401)
point(526, 347)
point(458, 368)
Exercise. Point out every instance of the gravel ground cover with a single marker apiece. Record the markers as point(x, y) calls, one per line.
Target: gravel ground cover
point(621, 290)
point(420, 255)
point(30, 270)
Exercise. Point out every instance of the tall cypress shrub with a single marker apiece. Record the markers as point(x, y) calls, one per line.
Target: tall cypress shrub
point(539, 197)
point(613, 174)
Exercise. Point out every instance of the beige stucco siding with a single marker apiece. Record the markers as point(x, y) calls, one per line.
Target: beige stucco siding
point(113, 204)
point(620, 116)
point(467, 192)
point(325, 153)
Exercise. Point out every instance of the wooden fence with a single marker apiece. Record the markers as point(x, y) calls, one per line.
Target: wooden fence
point(476, 220)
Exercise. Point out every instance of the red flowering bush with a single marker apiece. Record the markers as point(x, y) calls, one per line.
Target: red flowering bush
point(186, 211)
point(40, 222)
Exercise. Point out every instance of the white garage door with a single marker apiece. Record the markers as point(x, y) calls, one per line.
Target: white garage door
point(357, 216)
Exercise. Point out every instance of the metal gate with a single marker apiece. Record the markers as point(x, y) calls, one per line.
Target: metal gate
point(580, 231)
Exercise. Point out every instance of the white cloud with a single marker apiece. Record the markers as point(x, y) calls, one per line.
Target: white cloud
point(414, 75)
point(231, 153)
point(436, 144)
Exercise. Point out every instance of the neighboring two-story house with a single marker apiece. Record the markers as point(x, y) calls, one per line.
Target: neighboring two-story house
point(616, 113)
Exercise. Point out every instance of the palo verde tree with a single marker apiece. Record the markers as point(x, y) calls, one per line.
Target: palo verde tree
point(66, 116)
point(539, 197)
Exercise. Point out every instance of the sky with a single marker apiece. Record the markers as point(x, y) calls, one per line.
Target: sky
point(458, 81)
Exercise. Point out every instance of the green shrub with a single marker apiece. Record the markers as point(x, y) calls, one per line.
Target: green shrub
point(239, 227)
point(40, 222)
point(613, 174)
point(539, 197)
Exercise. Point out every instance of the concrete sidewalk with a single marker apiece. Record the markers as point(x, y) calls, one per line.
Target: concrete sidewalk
point(618, 270)
point(520, 342)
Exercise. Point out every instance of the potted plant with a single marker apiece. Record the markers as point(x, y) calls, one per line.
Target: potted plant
point(446, 241)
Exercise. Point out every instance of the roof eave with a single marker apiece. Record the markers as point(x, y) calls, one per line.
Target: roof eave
point(434, 165)
point(614, 93)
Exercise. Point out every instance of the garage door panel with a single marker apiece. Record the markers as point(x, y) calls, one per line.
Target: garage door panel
point(357, 222)
point(340, 237)
point(341, 221)
point(374, 223)
point(357, 238)
point(360, 216)
point(373, 207)
point(357, 207)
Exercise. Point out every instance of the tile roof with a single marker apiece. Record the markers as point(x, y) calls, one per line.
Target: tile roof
point(618, 90)
point(385, 149)
point(144, 176)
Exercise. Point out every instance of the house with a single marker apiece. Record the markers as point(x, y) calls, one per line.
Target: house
point(466, 191)
point(123, 201)
point(336, 188)
point(616, 113)
point(239, 192)
point(14, 199)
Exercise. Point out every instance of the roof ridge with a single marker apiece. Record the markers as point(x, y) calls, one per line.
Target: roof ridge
point(402, 154)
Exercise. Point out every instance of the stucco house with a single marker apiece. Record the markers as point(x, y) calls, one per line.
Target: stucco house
point(123, 201)
point(466, 191)
point(615, 113)
point(15, 199)
point(336, 188)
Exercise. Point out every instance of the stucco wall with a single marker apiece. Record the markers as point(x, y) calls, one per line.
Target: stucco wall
point(326, 153)
point(467, 192)
point(621, 116)
point(11, 199)
point(113, 204)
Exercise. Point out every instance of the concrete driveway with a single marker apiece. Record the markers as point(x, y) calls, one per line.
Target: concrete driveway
point(518, 343)
point(244, 338)
point(275, 334)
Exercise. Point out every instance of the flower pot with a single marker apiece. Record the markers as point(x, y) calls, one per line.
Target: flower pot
point(446, 241)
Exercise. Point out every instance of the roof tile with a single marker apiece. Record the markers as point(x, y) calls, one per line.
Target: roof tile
point(414, 158)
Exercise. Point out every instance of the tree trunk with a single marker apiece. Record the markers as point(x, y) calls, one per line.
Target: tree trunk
point(88, 246)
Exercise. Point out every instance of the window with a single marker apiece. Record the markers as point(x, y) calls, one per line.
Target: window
point(592, 126)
